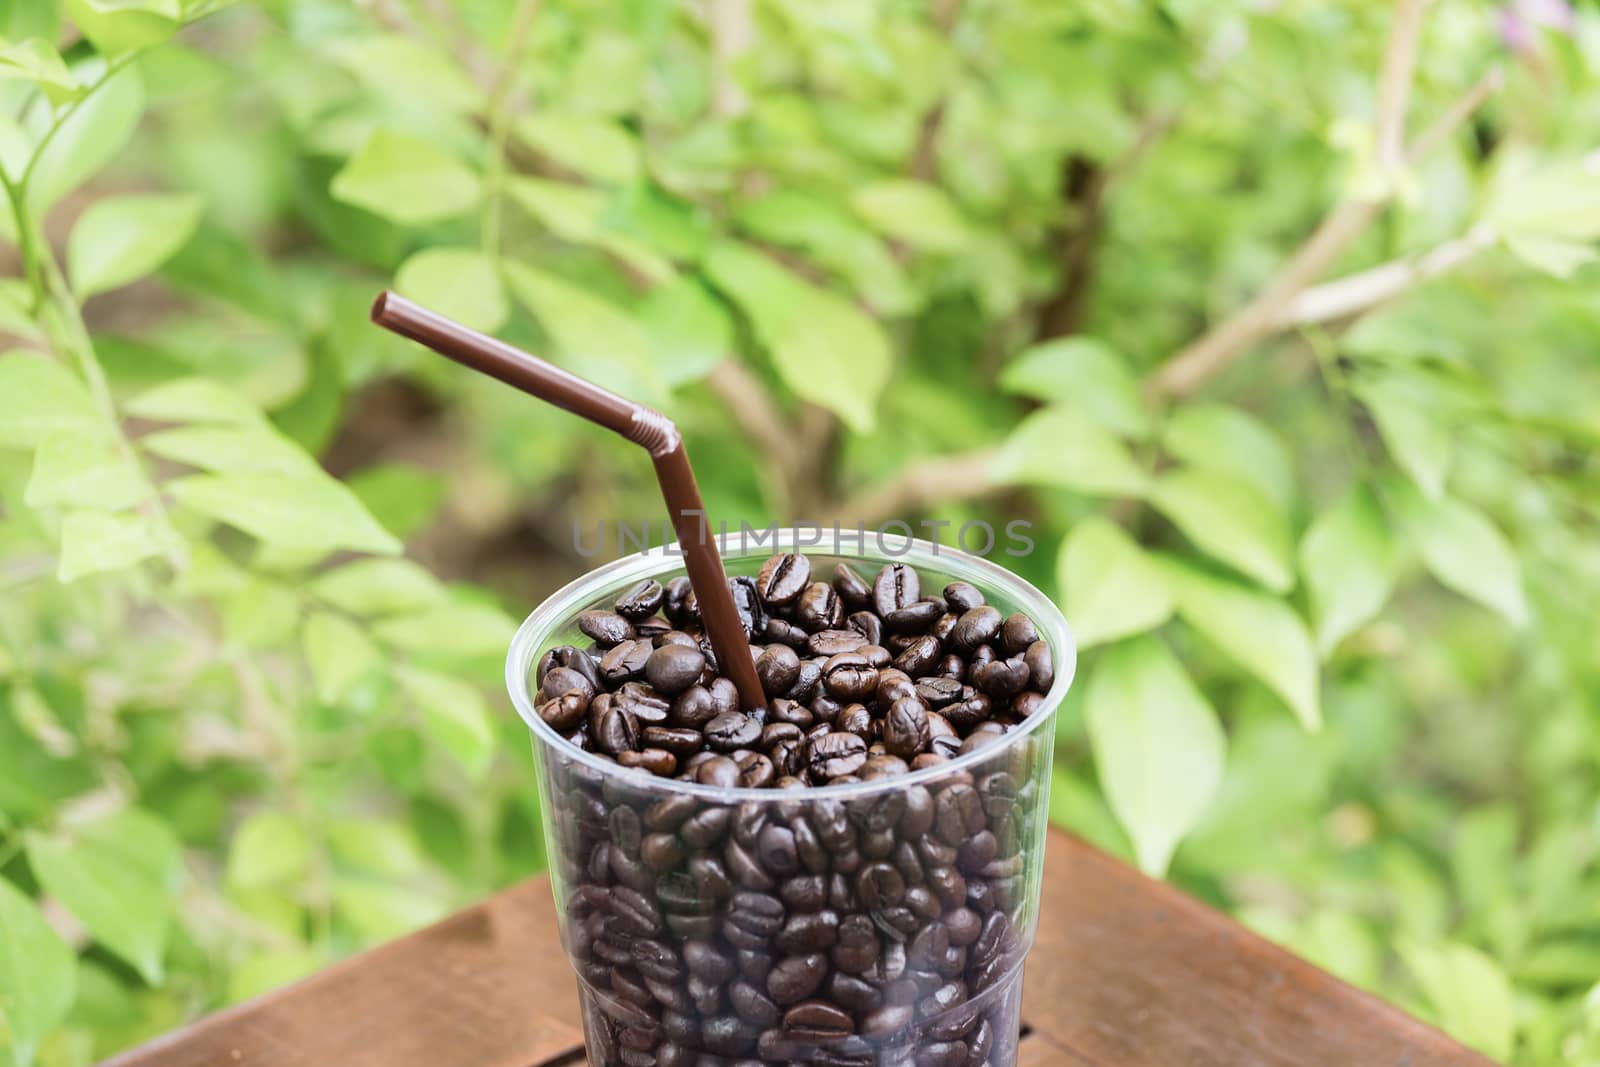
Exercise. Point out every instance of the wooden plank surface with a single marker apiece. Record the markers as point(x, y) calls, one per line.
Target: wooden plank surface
point(1126, 972)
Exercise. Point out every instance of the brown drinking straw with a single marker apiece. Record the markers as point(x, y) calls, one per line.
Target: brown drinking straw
point(639, 424)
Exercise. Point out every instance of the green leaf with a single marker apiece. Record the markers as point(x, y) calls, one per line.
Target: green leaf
point(117, 26)
point(459, 282)
point(450, 630)
point(408, 71)
point(689, 330)
point(1086, 373)
point(193, 400)
point(262, 972)
point(1230, 519)
point(1222, 438)
point(1466, 552)
point(375, 846)
point(598, 340)
point(454, 717)
point(289, 511)
point(94, 134)
point(837, 242)
point(243, 448)
point(378, 587)
point(260, 613)
point(93, 542)
point(596, 148)
point(1259, 632)
point(1111, 589)
point(268, 849)
point(70, 470)
point(403, 498)
point(40, 398)
point(37, 61)
point(339, 652)
point(1471, 994)
point(1058, 446)
point(824, 348)
point(123, 238)
point(916, 214)
point(118, 876)
point(38, 974)
point(577, 214)
point(1347, 557)
point(377, 912)
point(406, 179)
point(1421, 445)
point(1157, 746)
point(1553, 255)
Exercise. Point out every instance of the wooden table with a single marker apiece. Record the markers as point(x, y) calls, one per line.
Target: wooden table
point(1126, 972)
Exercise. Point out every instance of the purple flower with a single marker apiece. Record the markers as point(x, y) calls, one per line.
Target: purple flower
point(1521, 20)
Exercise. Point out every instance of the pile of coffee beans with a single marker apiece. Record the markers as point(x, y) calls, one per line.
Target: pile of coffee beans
point(863, 681)
point(881, 926)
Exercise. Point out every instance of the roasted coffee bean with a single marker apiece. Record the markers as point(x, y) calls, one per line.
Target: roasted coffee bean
point(624, 662)
point(661, 852)
point(676, 605)
point(887, 1020)
point(719, 771)
point(868, 625)
point(855, 719)
point(1025, 704)
point(919, 656)
point(827, 643)
point(818, 608)
point(807, 683)
point(856, 994)
point(857, 947)
point(1016, 634)
point(905, 728)
point(671, 669)
point(678, 741)
point(848, 676)
point(756, 770)
point(805, 893)
point(896, 587)
point(647, 706)
point(1002, 678)
point(605, 628)
point(807, 932)
point(835, 754)
point(962, 597)
point(783, 578)
point(562, 680)
point(913, 618)
point(971, 710)
point(641, 600)
point(693, 708)
point(565, 712)
point(893, 684)
point(778, 668)
point(752, 1005)
point(958, 813)
point(776, 850)
point(1041, 670)
point(794, 978)
point(976, 627)
point(817, 1020)
point(747, 602)
point(851, 587)
point(879, 886)
point(617, 731)
point(657, 761)
point(732, 730)
point(938, 692)
point(785, 632)
point(706, 962)
point(878, 767)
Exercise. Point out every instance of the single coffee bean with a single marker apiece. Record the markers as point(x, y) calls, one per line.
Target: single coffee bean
point(868, 625)
point(648, 706)
point(778, 668)
point(706, 962)
point(658, 761)
point(671, 669)
point(887, 1020)
point(914, 618)
point(562, 680)
point(747, 602)
point(794, 978)
point(678, 741)
point(896, 586)
point(756, 770)
point(818, 608)
point(752, 1005)
point(878, 767)
point(719, 771)
point(624, 661)
point(676, 605)
point(856, 994)
point(938, 692)
point(661, 852)
point(807, 682)
point(962, 597)
point(1041, 670)
point(879, 886)
point(1016, 634)
point(1023, 705)
point(783, 578)
point(835, 754)
point(857, 947)
point(807, 932)
point(618, 731)
point(906, 728)
point(856, 719)
point(976, 627)
point(1002, 678)
point(817, 1020)
point(641, 601)
point(566, 711)
point(851, 587)
point(693, 708)
point(958, 813)
point(848, 676)
point(972, 710)
point(732, 730)
point(786, 633)
point(832, 642)
point(918, 657)
point(605, 628)
point(705, 828)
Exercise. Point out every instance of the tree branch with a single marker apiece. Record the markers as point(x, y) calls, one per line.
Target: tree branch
point(750, 405)
point(1366, 289)
point(952, 477)
point(1219, 347)
point(733, 31)
point(924, 158)
point(1394, 81)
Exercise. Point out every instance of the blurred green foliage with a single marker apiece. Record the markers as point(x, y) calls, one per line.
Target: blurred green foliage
point(1324, 521)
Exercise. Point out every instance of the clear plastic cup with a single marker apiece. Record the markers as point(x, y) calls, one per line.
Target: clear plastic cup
point(876, 922)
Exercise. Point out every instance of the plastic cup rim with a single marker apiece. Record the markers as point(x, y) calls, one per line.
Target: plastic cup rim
point(562, 605)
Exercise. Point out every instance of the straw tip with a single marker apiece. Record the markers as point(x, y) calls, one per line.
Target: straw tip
point(380, 304)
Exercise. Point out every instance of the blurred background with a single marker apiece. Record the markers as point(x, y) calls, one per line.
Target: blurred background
point(1273, 318)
